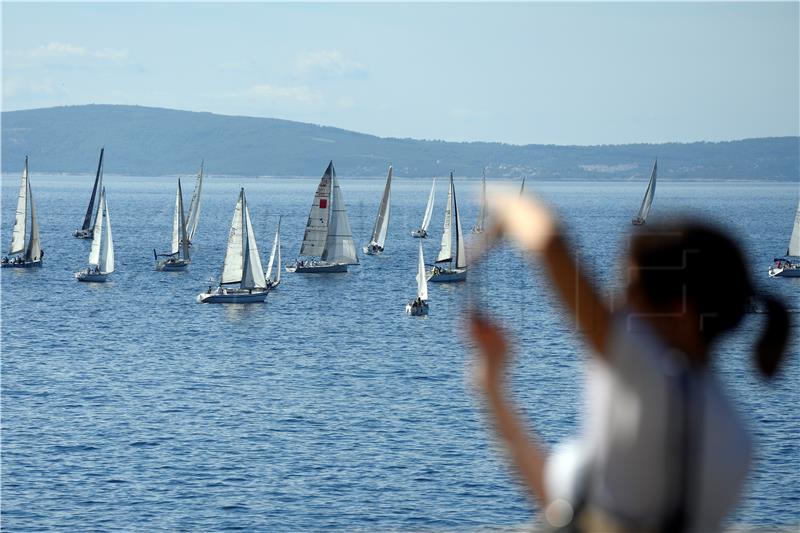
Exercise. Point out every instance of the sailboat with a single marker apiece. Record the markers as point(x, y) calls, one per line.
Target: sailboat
point(457, 270)
point(328, 235)
point(419, 306)
point(480, 225)
point(647, 201)
point(194, 206)
point(178, 257)
point(85, 231)
point(789, 266)
point(242, 279)
point(275, 259)
point(378, 240)
point(101, 255)
point(20, 253)
point(422, 232)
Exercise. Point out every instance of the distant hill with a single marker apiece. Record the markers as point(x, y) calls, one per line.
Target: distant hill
point(154, 141)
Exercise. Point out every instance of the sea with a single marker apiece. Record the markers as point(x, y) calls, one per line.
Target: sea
point(128, 406)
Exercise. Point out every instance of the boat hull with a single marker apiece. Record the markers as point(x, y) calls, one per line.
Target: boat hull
point(416, 310)
point(784, 272)
point(447, 276)
point(233, 296)
point(372, 250)
point(22, 264)
point(91, 277)
point(174, 266)
point(419, 234)
point(83, 233)
point(637, 221)
point(317, 268)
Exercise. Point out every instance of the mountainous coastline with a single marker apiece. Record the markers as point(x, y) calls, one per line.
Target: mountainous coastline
point(156, 141)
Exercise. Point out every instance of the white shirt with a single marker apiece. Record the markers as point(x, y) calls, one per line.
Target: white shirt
point(636, 449)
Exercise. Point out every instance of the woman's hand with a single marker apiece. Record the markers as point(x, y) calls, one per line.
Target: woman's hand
point(492, 353)
point(523, 219)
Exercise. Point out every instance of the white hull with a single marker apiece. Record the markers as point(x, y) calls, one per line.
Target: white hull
point(441, 275)
point(233, 296)
point(316, 267)
point(22, 264)
point(789, 272)
point(83, 233)
point(416, 310)
point(93, 277)
point(172, 266)
point(419, 234)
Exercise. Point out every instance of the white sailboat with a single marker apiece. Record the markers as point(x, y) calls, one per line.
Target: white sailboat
point(193, 218)
point(242, 279)
point(789, 266)
point(480, 225)
point(85, 231)
point(101, 255)
point(178, 257)
point(275, 259)
point(457, 270)
point(328, 235)
point(647, 201)
point(419, 305)
point(20, 253)
point(422, 232)
point(381, 228)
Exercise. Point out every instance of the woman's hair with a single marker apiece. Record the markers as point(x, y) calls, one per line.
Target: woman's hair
point(692, 264)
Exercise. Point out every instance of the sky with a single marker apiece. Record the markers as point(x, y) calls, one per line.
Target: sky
point(542, 73)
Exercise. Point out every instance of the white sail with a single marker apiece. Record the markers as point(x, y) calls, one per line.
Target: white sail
point(34, 249)
point(382, 222)
point(97, 234)
point(182, 236)
point(96, 191)
point(252, 272)
point(422, 278)
point(794, 240)
point(647, 201)
point(232, 265)
point(107, 256)
point(481, 223)
point(446, 250)
point(317, 224)
point(194, 206)
point(21, 215)
point(461, 257)
point(276, 252)
point(176, 222)
point(426, 220)
point(339, 245)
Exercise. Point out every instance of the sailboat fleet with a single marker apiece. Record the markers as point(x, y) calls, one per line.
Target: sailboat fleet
point(327, 247)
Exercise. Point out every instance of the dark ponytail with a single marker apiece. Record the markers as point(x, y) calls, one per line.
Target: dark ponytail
point(771, 347)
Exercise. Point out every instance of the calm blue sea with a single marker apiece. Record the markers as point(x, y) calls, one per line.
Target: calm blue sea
point(128, 406)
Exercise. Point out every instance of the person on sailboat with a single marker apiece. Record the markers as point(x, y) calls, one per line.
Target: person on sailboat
point(663, 448)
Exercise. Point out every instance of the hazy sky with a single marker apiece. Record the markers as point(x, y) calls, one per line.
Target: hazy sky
point(576, 73)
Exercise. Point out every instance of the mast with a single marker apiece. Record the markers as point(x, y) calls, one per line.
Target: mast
point(426, 220)
point(98, 180)
point(339, 245)
point(461, 257)
point(794, 240)
point(194, 205)
point(446, 249)
point(232, 264)
point(107, 262)
point(647, 201)
point(21, 215)
point(317, 224)
point(382, 221)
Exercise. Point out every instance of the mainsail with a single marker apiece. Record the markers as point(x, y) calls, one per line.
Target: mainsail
point(194, 206)
point(426, 220)
point(317, 224)
point(339, 245)
point(481, 223)
point(446, 250)
point(275, 254)
point(96, 191)
point(422, 278)
point(794, 240)
point(232, 264)
point(252, 272)
point(382, 222)
point(34, 249)
point(107, 255)
point(461, 257)
point(647, 201)
point(97, 234)
point(180, 243)
point(21, 215)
